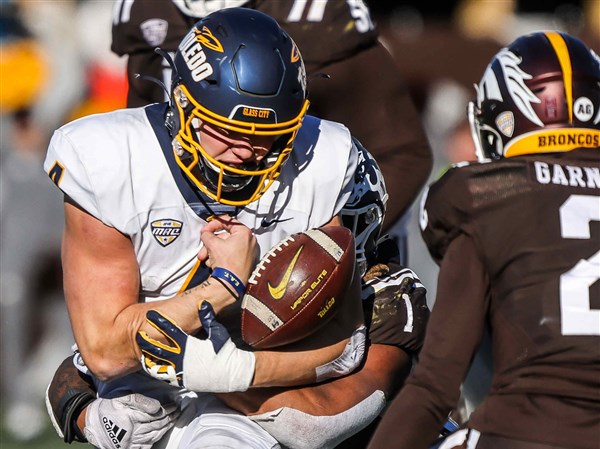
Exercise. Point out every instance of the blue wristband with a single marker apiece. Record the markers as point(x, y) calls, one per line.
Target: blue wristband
point(225, 275)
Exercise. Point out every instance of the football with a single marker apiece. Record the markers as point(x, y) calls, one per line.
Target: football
point(297, 287)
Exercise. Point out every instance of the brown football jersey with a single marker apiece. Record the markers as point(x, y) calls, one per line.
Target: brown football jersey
point(142, 25)
point(138, 28)
point(519, 245)
point(325, 31)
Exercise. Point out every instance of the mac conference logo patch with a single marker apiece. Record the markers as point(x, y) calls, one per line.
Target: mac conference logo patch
point(165, 231)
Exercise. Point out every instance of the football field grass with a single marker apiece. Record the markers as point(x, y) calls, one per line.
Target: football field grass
point(47, 440)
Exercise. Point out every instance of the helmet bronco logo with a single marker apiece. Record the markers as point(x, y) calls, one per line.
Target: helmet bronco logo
point(165, 231)
point(514, 78)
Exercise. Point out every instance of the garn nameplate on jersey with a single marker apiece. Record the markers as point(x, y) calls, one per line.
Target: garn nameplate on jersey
point(567, 175)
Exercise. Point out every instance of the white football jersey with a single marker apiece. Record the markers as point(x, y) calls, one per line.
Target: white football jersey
point(120, 168)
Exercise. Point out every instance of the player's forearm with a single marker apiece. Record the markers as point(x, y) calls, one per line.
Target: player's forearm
point(183, 308)
point(278, 368)
point(108, 360)
point(385, 369)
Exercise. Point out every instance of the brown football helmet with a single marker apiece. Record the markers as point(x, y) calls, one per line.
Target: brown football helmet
point(541, 94)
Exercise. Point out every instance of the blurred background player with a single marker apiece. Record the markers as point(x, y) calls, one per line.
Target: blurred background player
point(352, 78)
point(30, 279)
point(517, 239)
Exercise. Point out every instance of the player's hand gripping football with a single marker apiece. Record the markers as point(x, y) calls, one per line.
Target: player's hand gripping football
point(214, 364)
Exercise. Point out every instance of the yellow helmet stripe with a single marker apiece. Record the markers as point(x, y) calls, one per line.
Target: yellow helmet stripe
point(562, 52)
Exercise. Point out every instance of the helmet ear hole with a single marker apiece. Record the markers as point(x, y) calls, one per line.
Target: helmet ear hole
point(172, 121)
point(491, 143)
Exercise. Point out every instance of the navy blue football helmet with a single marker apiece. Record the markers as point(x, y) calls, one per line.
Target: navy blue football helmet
point(239, 71)
point(541, 94)
point(364, 211)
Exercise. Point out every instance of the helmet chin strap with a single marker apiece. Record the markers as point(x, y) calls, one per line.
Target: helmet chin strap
point(475, 131)
point(154, 80)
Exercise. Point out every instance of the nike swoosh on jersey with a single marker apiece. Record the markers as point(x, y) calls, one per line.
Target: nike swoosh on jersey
point(265, 223)
point(278, 291)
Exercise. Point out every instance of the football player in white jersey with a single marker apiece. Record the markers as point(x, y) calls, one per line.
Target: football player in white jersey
point(321, 415)
point(172, 204)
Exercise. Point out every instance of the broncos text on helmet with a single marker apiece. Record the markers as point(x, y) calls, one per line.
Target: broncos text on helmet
point(541, 94)
point(235, 79)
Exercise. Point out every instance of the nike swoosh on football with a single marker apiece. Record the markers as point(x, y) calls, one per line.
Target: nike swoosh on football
point(265, 223)
point(278, 291)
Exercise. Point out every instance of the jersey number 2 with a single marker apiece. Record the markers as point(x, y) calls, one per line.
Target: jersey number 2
point(577, 316)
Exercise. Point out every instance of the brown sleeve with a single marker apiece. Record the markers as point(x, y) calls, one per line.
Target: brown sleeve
point(344, 31)
point(68, 395)
point(447, 209)
point(417, 414)
point(389, 319)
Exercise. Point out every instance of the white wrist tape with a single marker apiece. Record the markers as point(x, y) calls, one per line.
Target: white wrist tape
point(231, 369)
point(348, 361)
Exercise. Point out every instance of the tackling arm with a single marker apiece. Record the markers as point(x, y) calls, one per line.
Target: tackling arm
point(322, 415)
point(77, 415)
point(325, 414)
point(101, 279)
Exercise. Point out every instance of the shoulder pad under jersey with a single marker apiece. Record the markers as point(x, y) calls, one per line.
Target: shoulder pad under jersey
point(445, 208)
point(393, 318)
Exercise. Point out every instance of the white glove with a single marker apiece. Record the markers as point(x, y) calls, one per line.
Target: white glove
point(349, 360)
point(134, 421)
point(213, 365)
